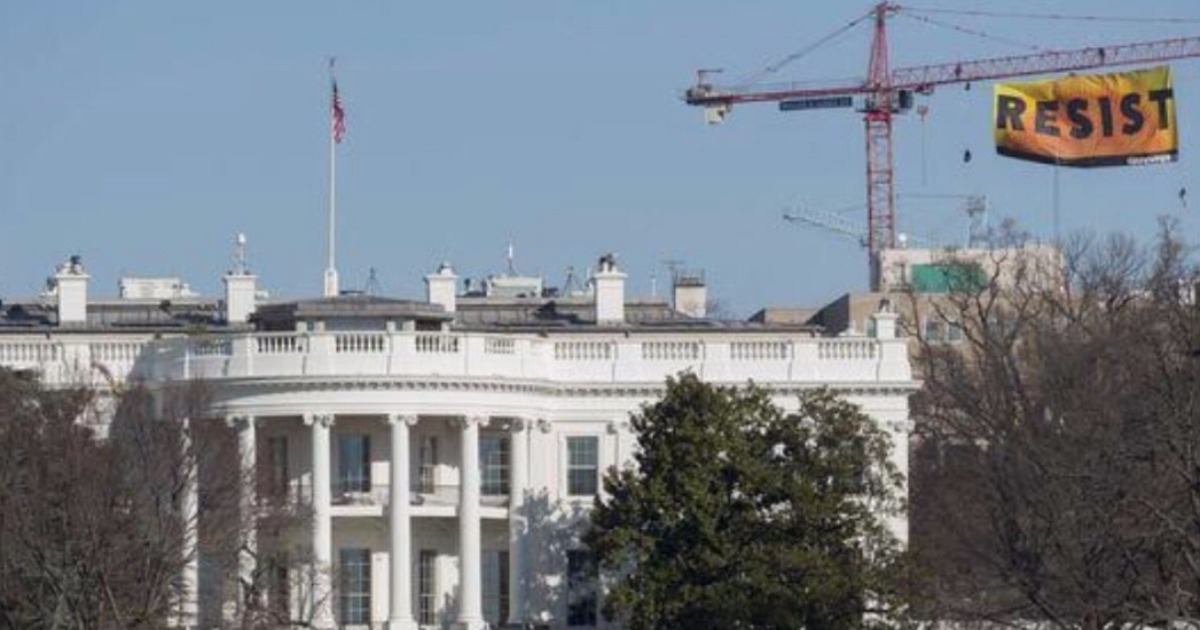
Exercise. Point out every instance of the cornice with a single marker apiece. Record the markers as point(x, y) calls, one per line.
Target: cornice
point(556, 389)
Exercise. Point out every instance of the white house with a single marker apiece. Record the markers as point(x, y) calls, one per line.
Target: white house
point(448, 447)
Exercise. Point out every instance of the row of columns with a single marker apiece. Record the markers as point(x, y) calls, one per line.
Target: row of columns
point(400, 616)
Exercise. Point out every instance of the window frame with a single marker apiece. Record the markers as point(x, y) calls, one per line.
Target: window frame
point(427, 595)
point(495, 576)
point(494, 475)
point(583, 596)
point(589, 471)
point(347, 482)
point(277, 480)
point(427, 463)
point(354, 604)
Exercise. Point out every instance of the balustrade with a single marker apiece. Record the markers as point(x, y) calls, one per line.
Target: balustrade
point(437, 344)
point(29, 352)
point(583, 350)
point(758, 350)
point(360, 343)
point(281, 343)
point(671, 350)
point(582, 358)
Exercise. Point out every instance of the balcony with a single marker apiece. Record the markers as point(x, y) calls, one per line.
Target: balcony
point(355, 500)
point(567, 358)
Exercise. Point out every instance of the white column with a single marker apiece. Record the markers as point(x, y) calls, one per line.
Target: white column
point(517, 519)
point(247, 530)
point(321, 593)
point(400, 616)
point(189, 597)
point(470, 604)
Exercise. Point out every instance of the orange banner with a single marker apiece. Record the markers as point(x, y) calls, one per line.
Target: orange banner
point(1091, 120)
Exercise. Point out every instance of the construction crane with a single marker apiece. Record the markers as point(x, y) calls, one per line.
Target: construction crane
point(886, 92)
point(975, 207)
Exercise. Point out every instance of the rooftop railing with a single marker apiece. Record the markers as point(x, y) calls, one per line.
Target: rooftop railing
point(578, 358)
point(566, 358)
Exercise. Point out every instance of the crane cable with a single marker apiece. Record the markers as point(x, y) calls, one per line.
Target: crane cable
point(1054, 16)
point(778, 65)
point(971, 31)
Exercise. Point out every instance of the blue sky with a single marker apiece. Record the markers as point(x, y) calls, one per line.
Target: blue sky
point(144, 135)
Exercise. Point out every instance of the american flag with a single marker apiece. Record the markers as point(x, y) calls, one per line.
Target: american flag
point(339, 116)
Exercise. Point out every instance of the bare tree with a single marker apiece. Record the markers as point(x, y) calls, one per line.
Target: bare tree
point(1056, 477)
point(97, 532)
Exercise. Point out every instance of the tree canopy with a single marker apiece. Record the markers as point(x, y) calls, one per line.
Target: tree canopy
point(737, 515)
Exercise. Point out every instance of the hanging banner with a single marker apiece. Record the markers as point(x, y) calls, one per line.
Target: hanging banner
point(1090, 120)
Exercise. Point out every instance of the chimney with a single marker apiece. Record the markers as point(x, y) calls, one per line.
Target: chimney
point(610, 291)
point(71, 285)
point(240, 287)
point(440, 287)
point(884, 320)
point(690, 295)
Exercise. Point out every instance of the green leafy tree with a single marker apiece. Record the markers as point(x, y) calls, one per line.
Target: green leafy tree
point(736, 515)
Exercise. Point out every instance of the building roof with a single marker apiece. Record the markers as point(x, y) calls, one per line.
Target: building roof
point(347, 307)
point(109, 315)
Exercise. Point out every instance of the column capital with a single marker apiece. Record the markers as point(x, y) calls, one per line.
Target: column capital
point(409, 419)
point(240, 422)
point(324, 419)
point(544, 425)
point(464, 422)
point(518, 424)
point(618, 426)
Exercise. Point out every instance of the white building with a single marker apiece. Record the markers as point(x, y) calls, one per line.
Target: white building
point(448, 447)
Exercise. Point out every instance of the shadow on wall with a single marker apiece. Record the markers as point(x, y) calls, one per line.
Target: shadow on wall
point(554, 528)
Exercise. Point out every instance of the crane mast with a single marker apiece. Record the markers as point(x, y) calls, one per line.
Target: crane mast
point(881, 216)
point(887, 92)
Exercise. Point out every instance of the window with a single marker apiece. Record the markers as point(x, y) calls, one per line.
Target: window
point(427, 459)
point(493, 464)
point(933, 330)
point(583, 464)
point(277, 467)
point(354, 463)
point(279, 597)
point(354, 587)
point(581, 588)
point(426, 582)
point(937, 330)
point(495, 587)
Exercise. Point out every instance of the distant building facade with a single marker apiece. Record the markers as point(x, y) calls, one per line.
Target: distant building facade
point(447, 449)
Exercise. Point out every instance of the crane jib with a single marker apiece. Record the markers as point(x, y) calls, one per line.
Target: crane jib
point(824, 102)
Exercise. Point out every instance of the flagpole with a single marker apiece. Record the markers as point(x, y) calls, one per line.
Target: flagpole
point(331, 275)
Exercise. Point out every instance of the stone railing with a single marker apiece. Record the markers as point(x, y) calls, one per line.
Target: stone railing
point(375, 494)
point(583, 358)
point(88, 360)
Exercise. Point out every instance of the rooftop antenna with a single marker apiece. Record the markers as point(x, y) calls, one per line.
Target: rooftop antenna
point(240, 268)
point(673, 265)
point(978, 232)
point(653, 284)
point(373, 287)
point(571, 285)
point(512, 270)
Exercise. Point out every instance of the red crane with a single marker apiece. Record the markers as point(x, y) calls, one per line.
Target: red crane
point(888, 92)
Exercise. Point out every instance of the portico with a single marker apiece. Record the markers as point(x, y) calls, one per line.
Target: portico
point(361, 469)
